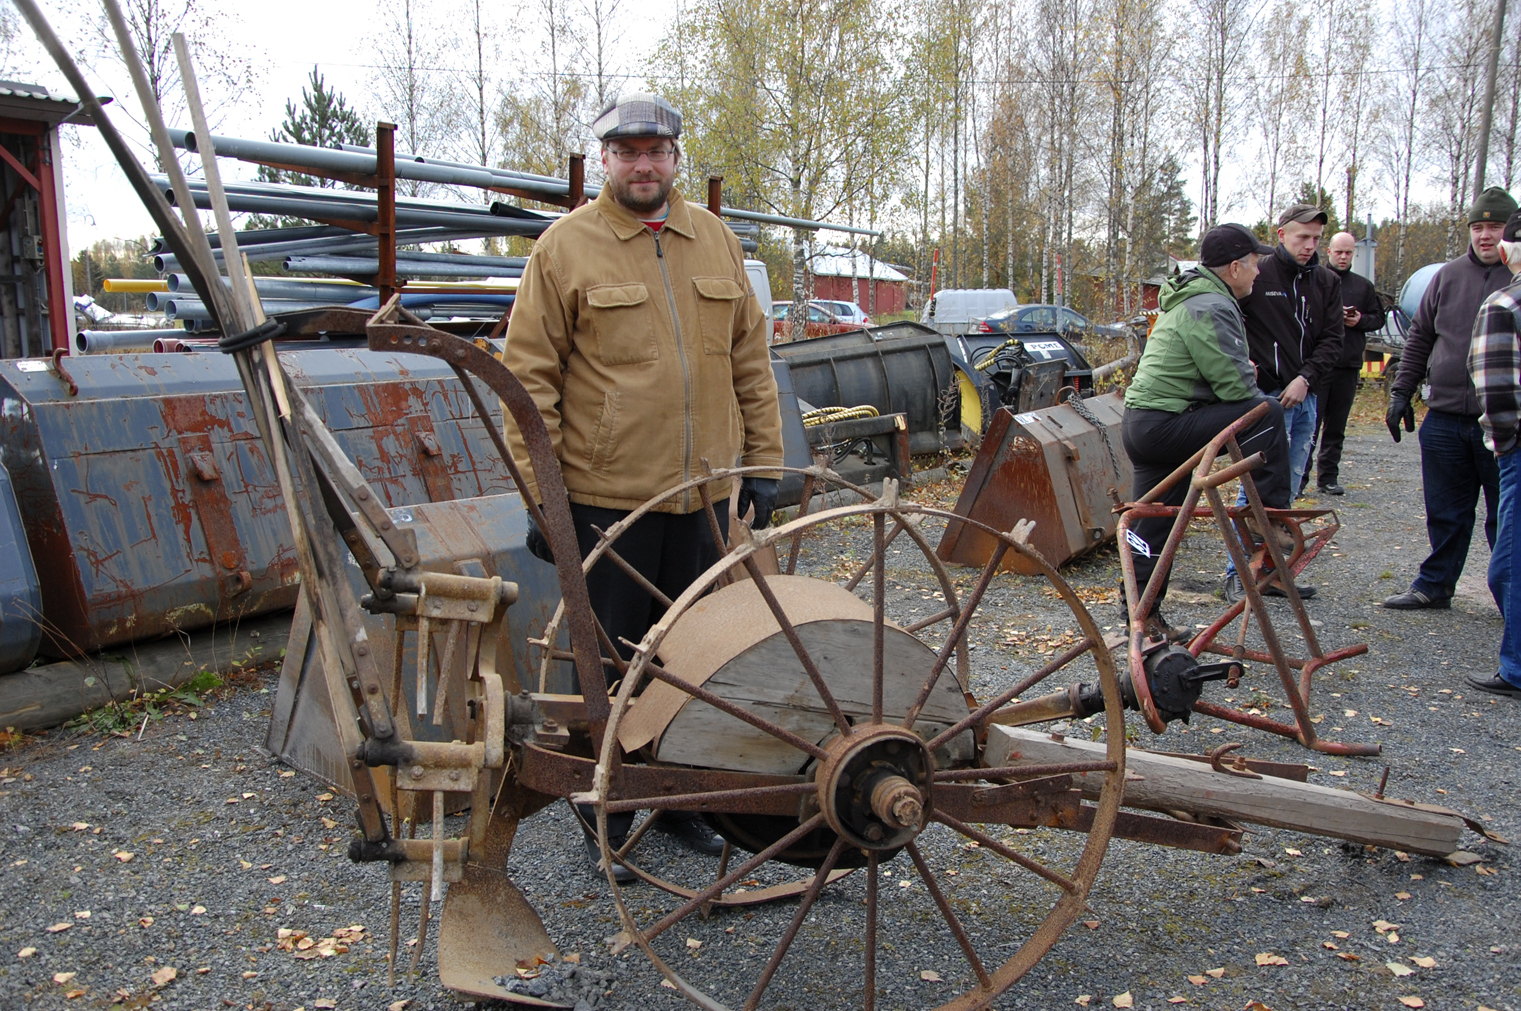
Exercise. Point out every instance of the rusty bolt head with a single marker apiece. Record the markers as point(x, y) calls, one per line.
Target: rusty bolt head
point(873, 832)
point(373, 689)
point(551, 725)
point(362, 649)
point(454, 776)
point(362, 494)
point(471, 605)
point(908, 809)
point(417, 772)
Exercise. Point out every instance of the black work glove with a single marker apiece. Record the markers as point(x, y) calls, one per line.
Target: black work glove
point(761, 492)
point(1399, 410)
point(537, 543)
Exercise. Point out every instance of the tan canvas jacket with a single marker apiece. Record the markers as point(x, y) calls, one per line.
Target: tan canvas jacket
point(645, 353)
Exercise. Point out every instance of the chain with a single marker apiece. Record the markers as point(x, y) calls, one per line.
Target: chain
point(1075, 401)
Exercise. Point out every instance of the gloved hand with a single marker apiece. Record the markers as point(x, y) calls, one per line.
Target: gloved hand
point(1399, 410)
point(537, 543)
point(761, 492)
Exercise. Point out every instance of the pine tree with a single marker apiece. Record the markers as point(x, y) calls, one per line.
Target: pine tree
point(324, 119)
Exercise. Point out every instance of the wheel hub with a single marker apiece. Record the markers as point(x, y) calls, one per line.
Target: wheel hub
point(874, 788)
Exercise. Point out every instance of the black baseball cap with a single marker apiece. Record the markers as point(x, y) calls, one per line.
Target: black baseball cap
point(1512, 231)
point(1228, 243)
point(1304, 214)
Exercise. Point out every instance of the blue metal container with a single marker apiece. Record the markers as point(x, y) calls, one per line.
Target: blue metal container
point(20, 596)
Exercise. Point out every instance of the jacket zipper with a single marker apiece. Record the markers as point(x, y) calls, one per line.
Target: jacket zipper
point(686, 378)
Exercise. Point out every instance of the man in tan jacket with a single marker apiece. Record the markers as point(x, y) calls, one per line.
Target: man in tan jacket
point(637, 334)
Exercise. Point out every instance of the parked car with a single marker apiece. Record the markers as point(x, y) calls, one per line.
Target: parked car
point(820, 321)
point(850, 312)
point(955, 311)
point(1058, 319)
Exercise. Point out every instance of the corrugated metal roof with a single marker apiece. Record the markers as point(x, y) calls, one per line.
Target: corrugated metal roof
point(836, 261)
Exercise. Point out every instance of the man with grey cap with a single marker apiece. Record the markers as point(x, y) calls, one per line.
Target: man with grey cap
point(1455, 464)
point(1294, 330)
point(637, 334)
point(1194, 379)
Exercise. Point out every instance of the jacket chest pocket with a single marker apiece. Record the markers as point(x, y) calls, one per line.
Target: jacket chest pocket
point(622, 323)
point(719, 304)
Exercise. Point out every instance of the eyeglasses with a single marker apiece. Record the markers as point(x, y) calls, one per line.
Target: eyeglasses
point(628, 156)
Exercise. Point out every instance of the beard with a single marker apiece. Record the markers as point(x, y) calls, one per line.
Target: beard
point(623, 192)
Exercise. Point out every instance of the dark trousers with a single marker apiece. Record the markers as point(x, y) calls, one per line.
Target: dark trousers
point(1158, 442)
point(1335, 395)
point(670, 551)
point(1455, 467)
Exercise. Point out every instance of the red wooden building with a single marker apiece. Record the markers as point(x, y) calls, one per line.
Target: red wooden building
point(848, 275)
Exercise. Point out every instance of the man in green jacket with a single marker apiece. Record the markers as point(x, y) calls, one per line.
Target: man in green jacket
point(1194, 379)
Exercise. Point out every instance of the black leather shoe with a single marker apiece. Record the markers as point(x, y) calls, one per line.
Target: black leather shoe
point(689, 828)
point(1332, 489)
point(1305, 592)
point(1495, 686)
point(621, 874)
point(1230, 588)
point(1414, 600)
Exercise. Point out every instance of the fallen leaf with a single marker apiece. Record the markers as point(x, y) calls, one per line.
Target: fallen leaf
point(83, 914)
point(71, 994)
point(287, 774)
point(63, 977)
point(1091, 924)
point(245, 865)
point(80, 826)
point(1401, 856)
point(1392, 937)
point(668, 984)
point(1348, 956)
point(165, 976)
point(26, 952)
point(1082, 999)
point(1124, 1000)
point(1412, 1002)
point(1342, 934)
point(930, 976)
point(329, 823)
point(249, 975)
point(398, 1005)
point(198, 911)
point(1197, 980)
point(1398, 968)
point(1268, 958)
point(232, 800)
point(123, 855)
point(1217, 973)
point(59, 927)
point(574, 958)
point(249, 796)
point(1402, 896)
point(1291, 851)
point(1330, 945)
point(203, 970)
point(1257, 1005)
point(1457, 751)
point(145, 922)
point(1384, 926)
point(325, 1003)
point(278, 879)
point(693, 943)
point(1424, 961)
point(1337, 772)
point(1177, 1000)
point(325, 797)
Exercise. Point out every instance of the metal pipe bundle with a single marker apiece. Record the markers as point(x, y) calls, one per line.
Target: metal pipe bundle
point(359, 266)
point(343, 242)
point(345, 210)
point(181, 307)
point(422, 169)
point(340, 292)
point(96, 342)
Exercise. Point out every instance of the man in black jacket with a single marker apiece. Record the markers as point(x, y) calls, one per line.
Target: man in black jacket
point(1363, 313)
point(1294, 333)
point(1455, 463)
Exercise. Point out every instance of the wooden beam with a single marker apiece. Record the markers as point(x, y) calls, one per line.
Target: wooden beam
point(1164, 783)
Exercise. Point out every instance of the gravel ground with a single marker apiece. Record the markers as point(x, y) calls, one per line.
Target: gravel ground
point(226, 850)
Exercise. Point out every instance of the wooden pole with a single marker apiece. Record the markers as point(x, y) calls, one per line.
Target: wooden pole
point(716, 195)
point(577, 195)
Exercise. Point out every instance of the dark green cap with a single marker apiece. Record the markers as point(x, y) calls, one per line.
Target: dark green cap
point(1494, 204)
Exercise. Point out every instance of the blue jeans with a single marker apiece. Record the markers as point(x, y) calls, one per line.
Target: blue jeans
point(1505, 566)
point(1299, 426)
point(1455, 467)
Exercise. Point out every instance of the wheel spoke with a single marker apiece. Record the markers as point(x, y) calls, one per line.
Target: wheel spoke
point(804, 658)
point(1025, 771)
point(950, 916)
point(659, 673)
point(957, 631)
point(809, 898)
point(797, 538)
point(676, 915)
point(984, 711)
point(628, 570)
point(987, 841)
point(871, 931)
point(934, 619)
point(878, 615)
point(709, 798)
point(881, 546)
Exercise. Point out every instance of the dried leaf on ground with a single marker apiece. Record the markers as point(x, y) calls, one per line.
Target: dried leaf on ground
point(165, 976)
point(1197, 980)
point(930, 976)
point(1257, 1005)
point(123, 856)
point(1082, 999)
point(278, 879)
point(1347, 956)
point(1402, 896)
point(1384, 926)
point(1177, 1000)
point(1124, 1000)
point(1268, 958)
point(1412, 1002)
point(63, 977)
point(1091, 924)
point(59, 927)
point(1424, 961)
point(26, 952)
point(324, 1003)
point(1398, 968)
point(198, 910)
point(398, 1005)
point(1342, 934)
point(1217, 973)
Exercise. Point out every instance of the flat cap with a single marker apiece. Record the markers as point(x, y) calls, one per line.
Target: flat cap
point(640, 114)
point(1512, 231)
point(1494, 204)
point(1228, 243)
point(1304, 214)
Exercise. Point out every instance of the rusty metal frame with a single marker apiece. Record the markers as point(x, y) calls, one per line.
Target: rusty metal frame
point(1295, 674)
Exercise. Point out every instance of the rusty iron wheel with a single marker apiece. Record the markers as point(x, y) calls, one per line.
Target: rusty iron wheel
point(877, 785)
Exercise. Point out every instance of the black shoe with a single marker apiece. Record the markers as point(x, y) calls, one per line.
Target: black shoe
point(1495, 686)
point(1305, 592)
point(1332, 489)
point(621, 874)
point(1414, 600)
point(689, 827)
point(1230, 588)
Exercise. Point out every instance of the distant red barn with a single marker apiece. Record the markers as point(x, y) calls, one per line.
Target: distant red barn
point(847, 275)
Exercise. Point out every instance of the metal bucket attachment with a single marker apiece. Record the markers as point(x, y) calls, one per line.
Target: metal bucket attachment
point(1063, 467)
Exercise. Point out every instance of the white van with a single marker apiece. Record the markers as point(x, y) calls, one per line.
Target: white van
point(956, 311)
point(760, 280)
